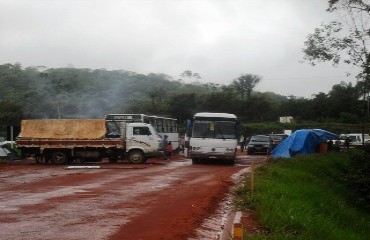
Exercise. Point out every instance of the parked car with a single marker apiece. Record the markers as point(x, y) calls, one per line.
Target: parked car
point(259, 144)
point(277, 139)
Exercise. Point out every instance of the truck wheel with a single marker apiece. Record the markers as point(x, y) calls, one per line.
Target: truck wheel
point(40, 159)
point(59, 158)
point(136, 156)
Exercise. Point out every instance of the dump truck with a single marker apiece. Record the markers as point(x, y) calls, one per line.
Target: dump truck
point(62, 141)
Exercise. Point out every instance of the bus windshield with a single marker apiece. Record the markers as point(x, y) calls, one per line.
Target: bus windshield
point(214, 129)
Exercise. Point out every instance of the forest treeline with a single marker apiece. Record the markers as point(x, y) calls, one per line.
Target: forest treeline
point(39, 92)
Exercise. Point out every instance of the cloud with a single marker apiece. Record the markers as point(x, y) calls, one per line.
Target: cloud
point(220, 39)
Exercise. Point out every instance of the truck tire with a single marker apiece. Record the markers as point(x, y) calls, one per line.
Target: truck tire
point(59, 157)
point(40, 159)
point(136, 156)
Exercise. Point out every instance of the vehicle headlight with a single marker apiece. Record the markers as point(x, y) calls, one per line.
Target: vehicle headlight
point(266, 145)
point(196, 148)
point(229, 150)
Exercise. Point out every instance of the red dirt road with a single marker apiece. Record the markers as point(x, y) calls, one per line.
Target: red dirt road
point(157, 200)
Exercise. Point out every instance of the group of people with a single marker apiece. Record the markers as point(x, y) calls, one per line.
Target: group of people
point(167, 147)
point(336, 145)
point(242, 142)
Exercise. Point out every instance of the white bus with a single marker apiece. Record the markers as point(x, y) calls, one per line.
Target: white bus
point(213, 137)
point(163, 125)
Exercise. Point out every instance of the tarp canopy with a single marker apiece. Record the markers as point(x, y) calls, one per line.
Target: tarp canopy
point(63, 128)
point(304, 141)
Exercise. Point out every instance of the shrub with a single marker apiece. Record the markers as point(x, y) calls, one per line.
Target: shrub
point(358, 174)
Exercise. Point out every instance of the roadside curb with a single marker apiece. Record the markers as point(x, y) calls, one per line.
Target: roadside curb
point(237, 231)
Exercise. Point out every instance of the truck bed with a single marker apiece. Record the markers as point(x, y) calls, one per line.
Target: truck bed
point(80, 129)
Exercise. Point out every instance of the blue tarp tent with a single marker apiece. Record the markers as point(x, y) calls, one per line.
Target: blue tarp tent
point(302, 141)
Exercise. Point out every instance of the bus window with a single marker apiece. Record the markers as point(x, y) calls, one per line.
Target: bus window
point(225, 130)
point(159, 125)
point(203, 129)
point(146, 120)
point(166, 125)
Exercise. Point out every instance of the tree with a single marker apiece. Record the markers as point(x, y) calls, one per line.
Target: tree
point(190, 74)
point(343, 98)
point(10, 114)
point(245, 84)
point(182, 106)
point(345, 40)
point(320, 106)
point(157, 96)
point(258, 108)
point(299, 108)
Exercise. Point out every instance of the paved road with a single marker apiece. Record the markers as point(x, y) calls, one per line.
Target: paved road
point(158, 200)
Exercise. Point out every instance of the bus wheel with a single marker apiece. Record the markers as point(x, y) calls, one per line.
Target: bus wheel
point(136, 156)
point(59, 158)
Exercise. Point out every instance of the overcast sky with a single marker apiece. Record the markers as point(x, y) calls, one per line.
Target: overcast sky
point(219, 39)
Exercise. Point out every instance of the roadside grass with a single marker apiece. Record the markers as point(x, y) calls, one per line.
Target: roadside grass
point(305, 197)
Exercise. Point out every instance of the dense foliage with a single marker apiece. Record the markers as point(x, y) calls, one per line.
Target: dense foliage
point(358, 175)
point(39, 92)
point(344, 40)
point(306, 197)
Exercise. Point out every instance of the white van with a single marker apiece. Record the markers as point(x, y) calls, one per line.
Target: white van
point(355, 139)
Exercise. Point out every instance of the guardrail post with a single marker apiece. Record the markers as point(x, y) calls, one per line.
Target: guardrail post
point(238, 227)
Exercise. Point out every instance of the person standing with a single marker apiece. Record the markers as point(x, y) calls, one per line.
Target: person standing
point(346, 143)
point(242, 140)
point(168, 151)
point(164, 144)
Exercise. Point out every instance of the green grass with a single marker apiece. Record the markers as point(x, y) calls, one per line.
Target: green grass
point(306, 197)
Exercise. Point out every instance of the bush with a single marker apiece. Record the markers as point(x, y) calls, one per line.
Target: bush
point(358, 175)
point(349, 118)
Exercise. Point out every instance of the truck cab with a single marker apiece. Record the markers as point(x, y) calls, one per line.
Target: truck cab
point(142, 136)
point(141, 141)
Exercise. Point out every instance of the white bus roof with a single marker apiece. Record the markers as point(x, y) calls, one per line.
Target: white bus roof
point(215, 115)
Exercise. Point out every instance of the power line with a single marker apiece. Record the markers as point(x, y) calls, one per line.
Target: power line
point(305, 78)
